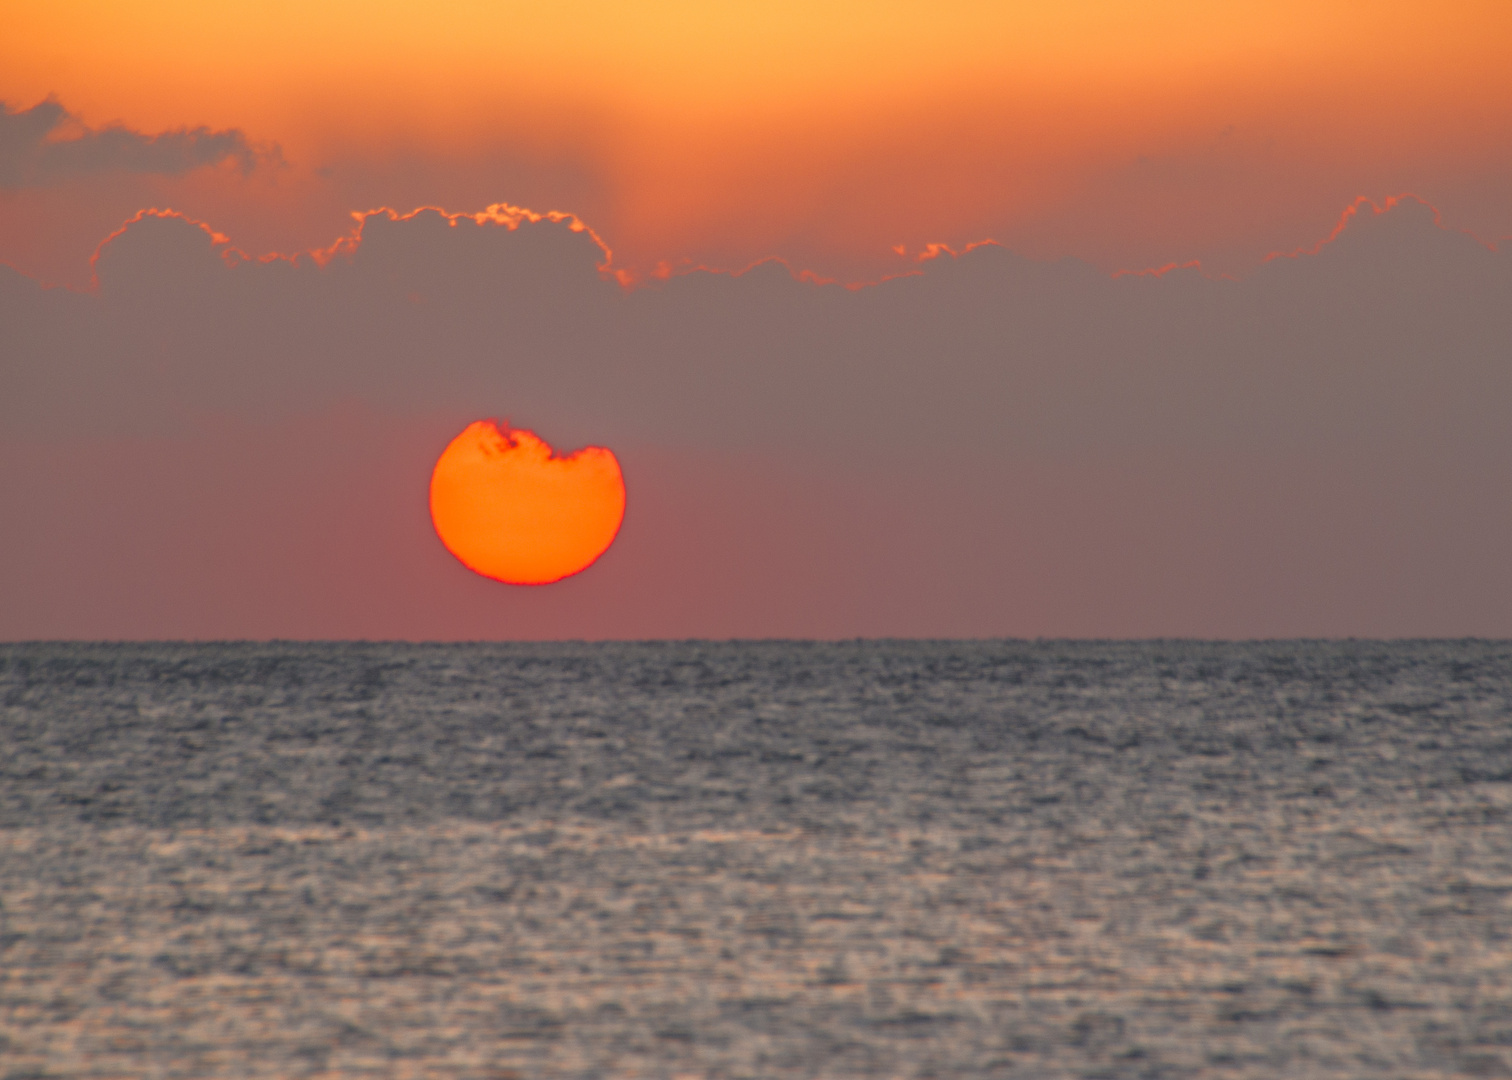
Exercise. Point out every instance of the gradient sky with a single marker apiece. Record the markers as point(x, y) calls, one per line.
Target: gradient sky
point(1127, 134)
point(1305, 433)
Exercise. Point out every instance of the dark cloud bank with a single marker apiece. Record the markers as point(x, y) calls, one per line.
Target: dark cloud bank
point(46, 144)
point(212, 446)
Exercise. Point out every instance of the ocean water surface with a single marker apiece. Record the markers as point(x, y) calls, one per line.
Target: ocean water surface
point(870, 859)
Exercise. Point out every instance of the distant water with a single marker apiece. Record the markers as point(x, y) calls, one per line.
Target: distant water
point(883, 859)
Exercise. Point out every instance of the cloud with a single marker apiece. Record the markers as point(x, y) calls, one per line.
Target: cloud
point(989, 351)
point(46, 144)
point(993, 444)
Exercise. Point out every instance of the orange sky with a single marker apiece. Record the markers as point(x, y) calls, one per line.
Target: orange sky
point(1131, 134)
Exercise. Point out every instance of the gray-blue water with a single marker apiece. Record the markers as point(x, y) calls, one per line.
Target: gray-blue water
point(877, 859)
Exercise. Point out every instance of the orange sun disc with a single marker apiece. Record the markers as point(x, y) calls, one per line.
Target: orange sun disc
point(509, 509)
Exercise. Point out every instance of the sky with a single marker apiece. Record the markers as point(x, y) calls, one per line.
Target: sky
point(1095, 319)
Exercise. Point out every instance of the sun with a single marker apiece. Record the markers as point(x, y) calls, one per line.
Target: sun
point(511, 510)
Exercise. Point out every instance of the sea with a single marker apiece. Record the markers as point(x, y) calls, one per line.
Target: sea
point(756, 859)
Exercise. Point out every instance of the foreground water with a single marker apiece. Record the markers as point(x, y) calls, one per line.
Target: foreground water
point(756, 860)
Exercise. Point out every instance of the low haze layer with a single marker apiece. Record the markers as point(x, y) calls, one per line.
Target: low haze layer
point(208, 445)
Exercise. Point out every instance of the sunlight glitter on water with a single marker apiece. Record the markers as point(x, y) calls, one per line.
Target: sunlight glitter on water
point(973, 859)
